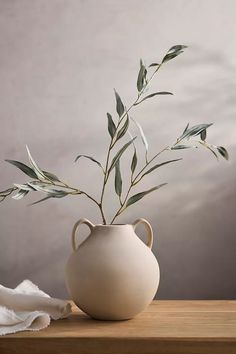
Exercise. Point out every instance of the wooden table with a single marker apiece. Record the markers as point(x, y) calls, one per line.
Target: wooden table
point(165, 327)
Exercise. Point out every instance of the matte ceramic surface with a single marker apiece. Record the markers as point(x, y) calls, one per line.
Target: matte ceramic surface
point(112, 275)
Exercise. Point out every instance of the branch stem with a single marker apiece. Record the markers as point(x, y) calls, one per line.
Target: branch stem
point(134, 182)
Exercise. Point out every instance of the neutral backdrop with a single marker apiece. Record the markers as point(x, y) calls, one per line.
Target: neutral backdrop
point(59, 63)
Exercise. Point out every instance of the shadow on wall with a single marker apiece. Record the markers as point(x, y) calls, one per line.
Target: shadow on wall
point(196, 225)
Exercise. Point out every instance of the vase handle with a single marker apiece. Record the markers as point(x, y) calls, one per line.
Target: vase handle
point(77, 224)
point(148, 229)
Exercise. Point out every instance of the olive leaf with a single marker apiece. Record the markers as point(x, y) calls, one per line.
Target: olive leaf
point(173, 52)
point(194, 131)
point(209, 148)
point(119, 154)
point(177, 48)
point(180, 147)
point(223, 152)
point(24, 187)
point(171, 56)
point(213, 152)
point(153, 64)
point(141, 76)
point(154, 94)
point(159, 165)
point(35, 167)
point(20, 194)
point(90, 158)
point(111, 125)
point(40, 187)
point(136, 197)
point(203, 135)
point(123, 129)
point(185, 128)
point(24, 168)
point(58, 193)
point(45, 188)
point(119, 105)
point(143, 137)
point(134, 161)
point(49, 196)
point(51, 176)
point(41, 200)
point(30, 172)
point(118, 179)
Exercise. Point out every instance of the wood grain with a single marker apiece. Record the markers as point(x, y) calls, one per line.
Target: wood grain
point(165, 327)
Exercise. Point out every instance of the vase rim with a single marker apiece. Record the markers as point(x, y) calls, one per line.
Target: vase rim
point(112, 225)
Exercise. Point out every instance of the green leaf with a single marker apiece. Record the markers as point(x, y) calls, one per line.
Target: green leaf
point(55, 193)
point(177, 48)
point(30, 172)
point(194, 131)
point(119, 105)
point(170, 56)
point(46, 198)
point(20, 194)
point(209, 148)
point(90, 158)
point(223, 152)
point(51, 176)
point(45, 188)
point(123, 129)
point(203, 135)
point(118, 179)
point(111, 125)
point(35, 167)
point(41, 200)
point(154, 94)
point(143, 137)
point(141, 77)
point(24, 187)
point(180, 147)
point(135, 198)
point(159, 165)
point(153, 64)
point(173, 52)
point(186, 128)
point(40, 187)
point(213, 152)
point(24, 168)
point(119, 154)
point(134, 161)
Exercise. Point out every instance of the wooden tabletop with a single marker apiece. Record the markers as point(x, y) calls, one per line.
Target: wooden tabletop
point(165, 327)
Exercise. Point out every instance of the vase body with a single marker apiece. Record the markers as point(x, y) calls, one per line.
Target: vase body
point(112, 275)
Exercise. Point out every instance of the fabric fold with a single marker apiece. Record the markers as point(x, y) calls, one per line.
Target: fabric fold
point(28, 308)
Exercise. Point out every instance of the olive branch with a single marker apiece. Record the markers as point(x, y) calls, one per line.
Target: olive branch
point(53, 187)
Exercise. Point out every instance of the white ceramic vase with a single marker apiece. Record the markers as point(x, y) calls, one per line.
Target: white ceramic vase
point(112, 275)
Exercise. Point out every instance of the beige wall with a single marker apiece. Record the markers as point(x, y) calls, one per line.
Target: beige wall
point(59, 62)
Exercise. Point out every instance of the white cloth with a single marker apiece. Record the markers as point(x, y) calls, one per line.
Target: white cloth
point(28, 308)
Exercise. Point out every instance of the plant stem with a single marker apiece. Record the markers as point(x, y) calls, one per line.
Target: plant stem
point(6, 193)
point(134, 182)
point(148, 163)
point(112, 143)
point(75, 191)
point(121, 209)
point(104, 182)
